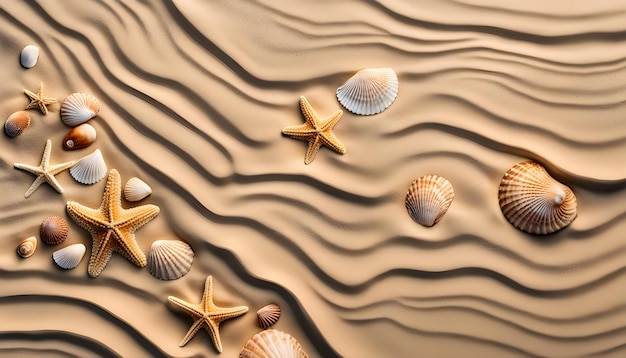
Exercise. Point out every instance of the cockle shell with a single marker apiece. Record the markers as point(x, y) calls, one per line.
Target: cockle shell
point(136, 189)
point(272, 343)
point(533, 201)
point(428, 199)
point(29, 56)
point(90, 168)
point(79, 137)
point(69, 256)
point(268, 315)
point(27, 247)
point(369, 91)
point(53, 230)
point(169, 259)
point(16, 123)
point(78, 108)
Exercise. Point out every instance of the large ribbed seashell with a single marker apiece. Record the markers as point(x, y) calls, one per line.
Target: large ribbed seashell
point(69, 256)
point(29, 56)
point(169, 259)
point(90, 168)
point(272, 343)
point(369, 91)
point(16, 123)
point(533, 201)
point(78, 108)
point(79, 137)
point(53, 230)
point(268, 315)
point(27, 247)
point(428, 199)
point(136, 189)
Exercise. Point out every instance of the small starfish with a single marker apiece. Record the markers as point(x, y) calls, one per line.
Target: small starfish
point(206, 314)
point(44, 171)
point(316, 131)
point(38, 100)
point(111, 226)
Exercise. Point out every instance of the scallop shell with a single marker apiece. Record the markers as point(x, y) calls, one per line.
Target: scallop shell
point(16, 123)
point(369, 91)
point(79, 137)
point(272, 343)
point(428, 199)
point(90, 168)
point(27, 247)
point(268, 315)
point(53, 230)
point(169, 259)
point(69, 256)
point(78, 108)
point(533, 201)
point(136, 189)
point(29, 56)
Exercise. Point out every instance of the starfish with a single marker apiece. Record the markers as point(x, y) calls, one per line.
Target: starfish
point(206, 314)
point(38, 100)
point(44, 171)
point(316, 131)
point(111, 226)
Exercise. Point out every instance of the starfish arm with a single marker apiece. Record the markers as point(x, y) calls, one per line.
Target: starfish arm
point(194, 310)
point(89, 219)
point(34, 186)
point(195, 327)
point(50, 179)
point(314, 146)
point(127, 246)
point(45, 158)
point(309, 114)
point(302, 131)
point(136, 217)
point(330, 122)
point(329, 140)
point(213, 329)
point(101, 251)
point(57, 168)
point(28, 168)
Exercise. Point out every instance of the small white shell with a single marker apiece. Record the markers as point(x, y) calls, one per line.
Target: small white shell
point(272, 343)
point(16, 123)
point(78, 108)
point(27, 247)
point(69, 256)
point(136, 189)
point(369, 91)
point(169, 259)
point(428, 199)
point(79, 137)
point(268, 315)
point(90, 168)
point(29, 56)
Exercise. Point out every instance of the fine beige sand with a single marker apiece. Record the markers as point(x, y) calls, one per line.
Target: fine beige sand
point(194, 96)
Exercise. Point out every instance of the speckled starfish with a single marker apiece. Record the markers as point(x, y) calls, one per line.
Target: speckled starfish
point(45, 172)
point(316, 131)
point(111, 226)
point(38, 100)
point(206, 314)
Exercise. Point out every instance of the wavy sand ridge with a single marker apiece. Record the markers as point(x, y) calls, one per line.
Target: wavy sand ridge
point(194, 96)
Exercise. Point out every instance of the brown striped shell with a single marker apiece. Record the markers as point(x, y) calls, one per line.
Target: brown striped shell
point(16, 123)
point(27, 247)
point(268, 315)
point(272, 343)
point(428, 199)
point(53, 230)
point(169, 259)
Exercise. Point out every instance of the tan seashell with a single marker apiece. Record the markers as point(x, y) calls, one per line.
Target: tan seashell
point(89, 169)
point(369, 91)
point(268, 315)
point(272, 343)
point(53, 230)
point(136, 189)
point(78, 108)
point(79, 137)
point(169, 259)
point(27, 247)
point(29, 56)
point(16, 123)
point(428, 199)
point(533, 201)
point(70, 256)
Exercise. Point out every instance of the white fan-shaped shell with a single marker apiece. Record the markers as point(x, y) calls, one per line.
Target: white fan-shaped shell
point(169, 259)
point(78, 108)
point(136, 189)
point(29, 56)
point(90, 168)
point(268, 315)
point(272, 343)
point(428, 199)
point(69, 256)
point(27, 247)
point(369, 91)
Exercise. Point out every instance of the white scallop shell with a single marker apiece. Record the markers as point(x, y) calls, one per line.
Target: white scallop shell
point(29, 56)
point(136, 189)
point(78, 108)
point(268, 315)
point(169, 259)
point(272, 343)
point(27, 247)
point(90, 168)
point(79, 137)
point(69, 256)
point(369, 91)
point(428, 199)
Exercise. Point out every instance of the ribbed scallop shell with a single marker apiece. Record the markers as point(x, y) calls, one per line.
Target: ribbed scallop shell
point(169, 259)
point(369, 91)
point(90, 168)
point(533, 201)
point(79, 137)
point(53, 230)
point(268, 315)
point(69, 256)
point(136, 189)
point(428, 199)
point(272, 343)
point(27, 247)
point(29, 56)
point(78, 108)
point(16, 123)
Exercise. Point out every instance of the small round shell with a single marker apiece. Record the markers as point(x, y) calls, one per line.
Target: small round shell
point(79, 137)
point(136, 189)
point(27, 247)
point(169, 259)
point(78, 108)
point(369, 91)
point(428, 199)
point(53, 230)
point(16, 123)
point(29, 56)
point(89, 169)
point(272, 343)
point(70, 256)
point(268, 315)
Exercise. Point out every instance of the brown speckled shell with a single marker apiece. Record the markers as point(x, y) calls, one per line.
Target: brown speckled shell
point(53, 230)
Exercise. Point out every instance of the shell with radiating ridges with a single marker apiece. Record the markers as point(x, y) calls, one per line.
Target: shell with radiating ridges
point(70, 256)
point(268, 315)
point(369, 91)
point(169, 259)
point(136, 189)
point(90, 168)
point(78, 108)
point(29, 56)
point(79, 137)
point(428, 199)
point(53, 230)
point(533, 201)
point(272, 343)
point(16, 123)
point(27, 247)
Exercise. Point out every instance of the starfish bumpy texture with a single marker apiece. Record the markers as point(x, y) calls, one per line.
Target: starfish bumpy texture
point(38, 100)
point(206, 314)
point(316, 131)
point(111, 226)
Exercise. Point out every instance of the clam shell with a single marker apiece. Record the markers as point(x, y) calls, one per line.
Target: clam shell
point(29, 56)
point(79, 137)
point(16, 123)
point(272, 343)
point(69, 256)
point(136, 189)
point(533, 201)
point(268, 315)
point(428, 199)
point(53, 230)
point(90, 168)
point(27, 247)
point(78, 108)
point(169, 259)
point(369, 91)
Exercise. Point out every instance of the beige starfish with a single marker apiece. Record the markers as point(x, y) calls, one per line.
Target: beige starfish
point(111, 226)
point(45, 172)
point(206, 314)
point(316, 131)
point(38, 100)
